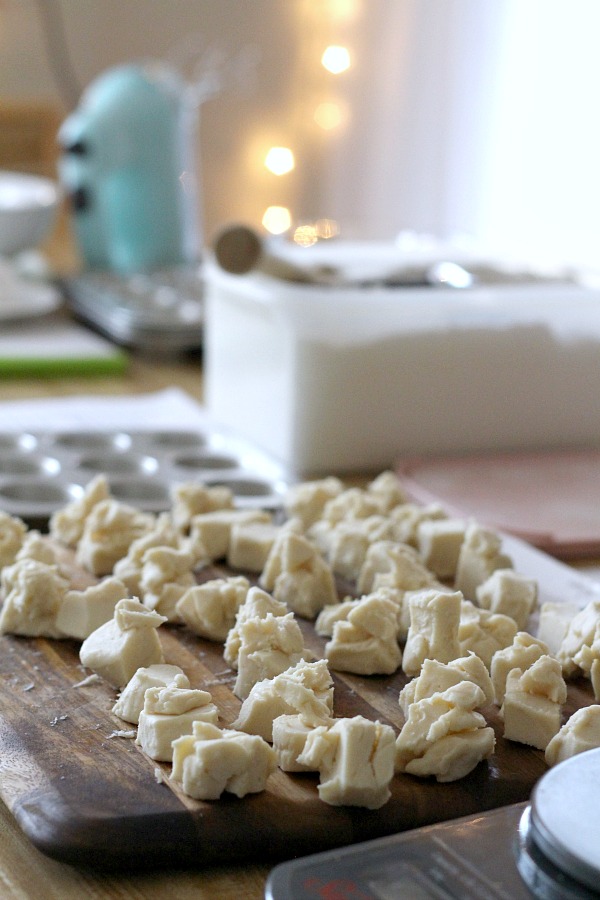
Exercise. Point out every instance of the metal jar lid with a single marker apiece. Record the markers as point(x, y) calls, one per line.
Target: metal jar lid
point(565, 817)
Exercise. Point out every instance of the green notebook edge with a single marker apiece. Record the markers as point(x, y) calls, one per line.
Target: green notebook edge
point(49, 367)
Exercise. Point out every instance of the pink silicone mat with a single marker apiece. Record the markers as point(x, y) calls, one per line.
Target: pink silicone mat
point(551, 499)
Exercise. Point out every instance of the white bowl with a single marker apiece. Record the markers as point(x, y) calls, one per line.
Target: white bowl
point(28, 205)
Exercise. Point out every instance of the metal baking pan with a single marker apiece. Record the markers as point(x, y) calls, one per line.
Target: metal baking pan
point(159, 311)
point(42, 472)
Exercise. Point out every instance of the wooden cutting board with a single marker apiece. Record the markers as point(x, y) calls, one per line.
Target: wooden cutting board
point(86, 796)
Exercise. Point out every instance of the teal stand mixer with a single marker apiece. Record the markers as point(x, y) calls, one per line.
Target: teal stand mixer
point(128, 167)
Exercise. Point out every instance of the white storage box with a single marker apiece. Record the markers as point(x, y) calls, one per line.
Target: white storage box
point(349, 379)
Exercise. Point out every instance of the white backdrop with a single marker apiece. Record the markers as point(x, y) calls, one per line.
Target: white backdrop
point(463, 116)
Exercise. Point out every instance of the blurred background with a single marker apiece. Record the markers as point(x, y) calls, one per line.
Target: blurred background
point(472, 117)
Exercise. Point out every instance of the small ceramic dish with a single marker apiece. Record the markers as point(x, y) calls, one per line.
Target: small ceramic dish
point(28, 206)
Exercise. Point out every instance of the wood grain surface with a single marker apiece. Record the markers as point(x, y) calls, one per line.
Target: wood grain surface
point(89, 797)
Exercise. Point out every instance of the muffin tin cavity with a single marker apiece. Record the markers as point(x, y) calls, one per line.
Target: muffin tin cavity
point(40, 473)
point(17, 442)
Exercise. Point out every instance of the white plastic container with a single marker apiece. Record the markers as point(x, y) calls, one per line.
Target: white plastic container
point(350, 379)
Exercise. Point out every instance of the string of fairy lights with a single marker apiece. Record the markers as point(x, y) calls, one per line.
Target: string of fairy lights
point(329, 114)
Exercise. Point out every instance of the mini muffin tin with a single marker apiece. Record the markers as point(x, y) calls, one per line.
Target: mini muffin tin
point(42, 472)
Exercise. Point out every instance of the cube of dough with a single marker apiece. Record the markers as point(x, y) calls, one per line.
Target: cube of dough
point(129, 568)
point(377, 614)
point(350, 650)
point(346, 548)
point(166, 576)
point(81, 612)
point(433, 630)
point(554, 621)
point(305, 689)
point(366, 642)
point(588, 661)
point(391, 564)
point(531, 719)
point(250, 544)
point(580, 733)
point(38, 547)
point(108, 531)
point(306, 501)
point(407, 517)
point(436, 677)
point(351, 503)
point(268, 647)
point(483, 632)
point(349, 541)
point(320, 534)
point(388, 490)
point(522, 653)
point(355, 759)
point(192, 499)
point(259, 710)
point(212, 530)
point(454, 756)
point(306, 591)
point(130, 701)
point(162, 534)
point(471, 668)
point(544, 679)
point(337, 612)
point(210, 761)
point(256, 606)
point(581, 631)
point(12, 535)
point(439, 542)
point(169, 713)
point(117, 649)
point(66, 524)
point(329, 615)
point(289, 734)
point(480, 555)
point(33, 594)
point(298, 575)
point(510, 594)
point(209, 609)
point(433, 718)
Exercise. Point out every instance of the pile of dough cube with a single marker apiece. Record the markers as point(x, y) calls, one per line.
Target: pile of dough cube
point(429, 595)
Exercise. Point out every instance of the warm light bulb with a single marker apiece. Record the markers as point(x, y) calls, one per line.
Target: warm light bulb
point(336, 59)
point(277, 219)
point(279, 160)
point(326, 228)
point(306, 235)
point(328, 115)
